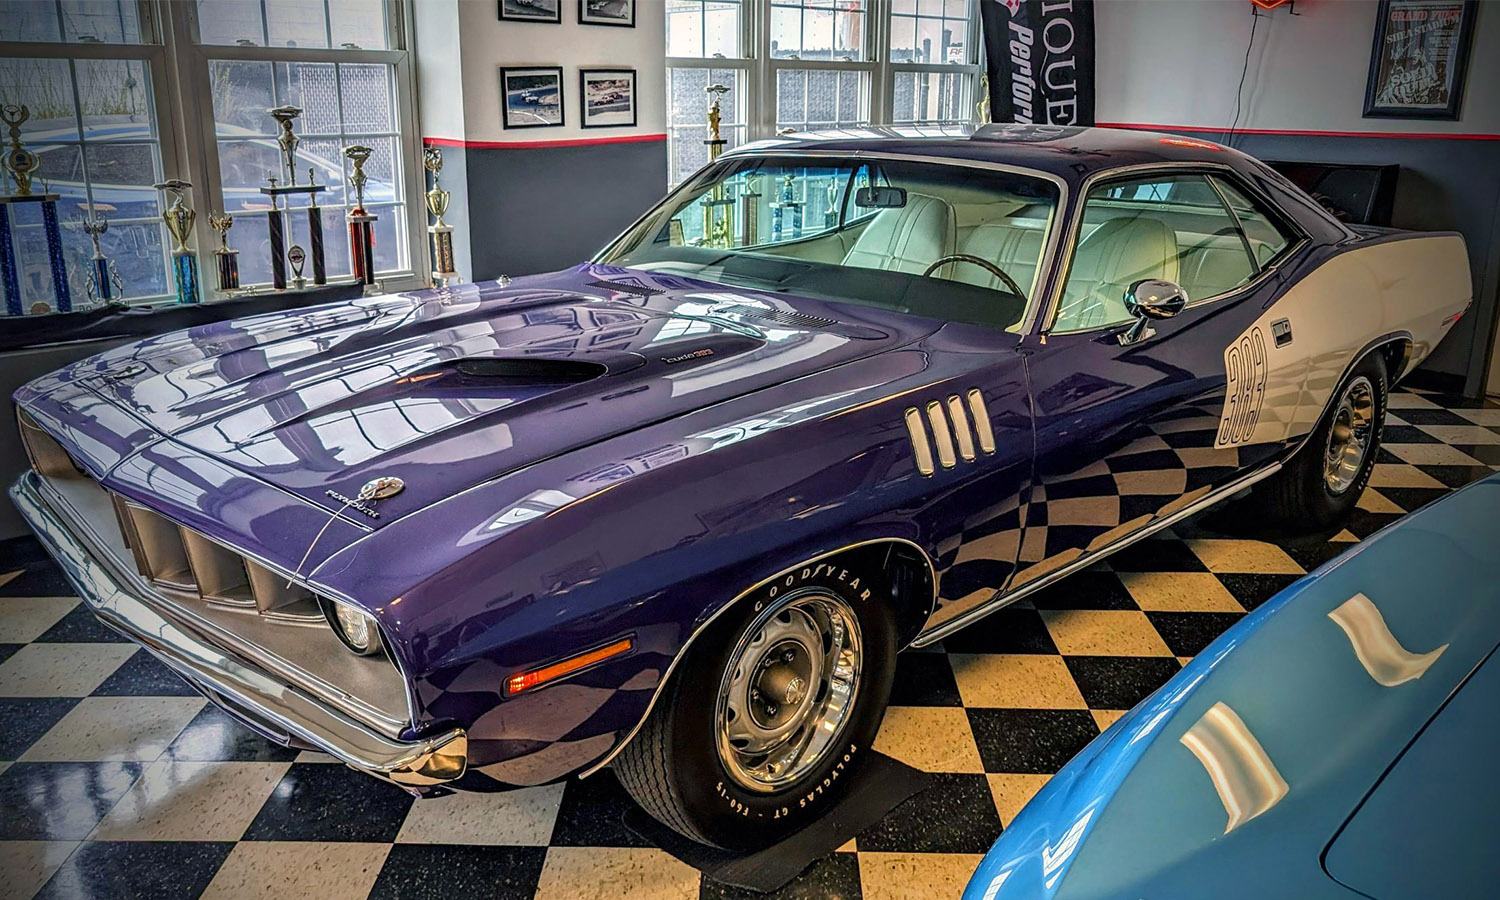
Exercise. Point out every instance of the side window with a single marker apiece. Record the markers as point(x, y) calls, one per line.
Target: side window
point(1170, 227)
point(1264, 237)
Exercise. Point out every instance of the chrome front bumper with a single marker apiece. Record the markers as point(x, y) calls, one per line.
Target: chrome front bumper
point(251, 694)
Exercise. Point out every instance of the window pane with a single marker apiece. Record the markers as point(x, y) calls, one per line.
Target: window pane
point(45, 88)
point(296, 23)
point(358, 22)
point(932, 31)
point(703, 28)
point(1197, 246)
point(687, 117)
point(1265, 238)
point(817, 29)
point(242, 94)
point(932, 98)
point(94, 21)
point(231, 22)
point(313, 88)
point(116, 99)
point(367, 101)
point(814, 99)
point(121, 176)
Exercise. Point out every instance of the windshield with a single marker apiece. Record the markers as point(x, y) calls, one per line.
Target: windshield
point(950, 242)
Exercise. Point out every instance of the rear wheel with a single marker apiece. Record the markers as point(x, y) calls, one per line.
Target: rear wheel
point(767, 716)
point(1323, 482)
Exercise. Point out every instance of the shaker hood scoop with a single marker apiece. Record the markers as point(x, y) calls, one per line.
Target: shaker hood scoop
point(449, 390)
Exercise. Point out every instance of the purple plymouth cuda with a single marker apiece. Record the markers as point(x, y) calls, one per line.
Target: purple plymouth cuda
point(676, 510)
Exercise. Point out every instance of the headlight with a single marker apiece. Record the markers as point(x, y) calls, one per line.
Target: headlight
point(356, 628)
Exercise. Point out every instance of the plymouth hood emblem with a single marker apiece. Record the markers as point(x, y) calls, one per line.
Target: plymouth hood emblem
point(375, 489)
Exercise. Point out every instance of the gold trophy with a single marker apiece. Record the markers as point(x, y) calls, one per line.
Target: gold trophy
point(982, 108)
point(227, 259)
point(361, 223)
point(19, 161)
point(442, 234)
point(286, 140)
point(180, 219)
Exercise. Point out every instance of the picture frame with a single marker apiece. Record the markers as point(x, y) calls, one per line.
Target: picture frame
point(616, 13)
point(1419, 60)
point(607, 98)
point(545, 11)
point(531, 97)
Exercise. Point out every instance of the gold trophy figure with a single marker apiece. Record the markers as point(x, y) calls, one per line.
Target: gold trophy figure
point(227, 260)
point(180, 219)
point(982, 108)
point(19, 161)
point(443, 268)
point(361, 223)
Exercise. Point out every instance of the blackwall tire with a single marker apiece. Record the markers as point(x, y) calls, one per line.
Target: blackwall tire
point(753, 683)
point(1322, 483)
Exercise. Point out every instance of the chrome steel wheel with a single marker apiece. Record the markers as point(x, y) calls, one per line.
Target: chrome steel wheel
point(790, 686)
point(1350, 435)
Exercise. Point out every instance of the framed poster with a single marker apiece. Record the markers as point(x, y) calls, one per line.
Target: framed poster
point(607, 12)
point(608, 97)
point(531, 10)
point(531, 97)
point(1418, 63)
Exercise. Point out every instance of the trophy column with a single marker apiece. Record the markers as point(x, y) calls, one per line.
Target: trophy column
point(104, 279)
point(361, 223)
point(226, 261)
point(21, 163)
point(718, 209)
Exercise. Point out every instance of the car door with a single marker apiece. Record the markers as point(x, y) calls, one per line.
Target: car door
point(1130, 432)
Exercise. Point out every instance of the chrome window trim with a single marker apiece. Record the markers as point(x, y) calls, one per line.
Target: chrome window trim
point(1075, 225)
point(1036, 297)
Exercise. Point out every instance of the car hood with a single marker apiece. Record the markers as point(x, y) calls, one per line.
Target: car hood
point(448, 388)
point(1232, 779)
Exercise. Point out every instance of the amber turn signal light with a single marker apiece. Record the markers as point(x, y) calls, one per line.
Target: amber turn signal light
point(525, 681)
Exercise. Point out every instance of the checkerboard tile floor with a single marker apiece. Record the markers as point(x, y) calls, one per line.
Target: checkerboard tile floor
point(117, 781)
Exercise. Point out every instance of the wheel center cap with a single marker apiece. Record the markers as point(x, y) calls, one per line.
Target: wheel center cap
point(795, 690)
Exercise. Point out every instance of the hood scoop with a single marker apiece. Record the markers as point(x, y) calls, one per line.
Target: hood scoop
point(776, 316)
point(534, 371)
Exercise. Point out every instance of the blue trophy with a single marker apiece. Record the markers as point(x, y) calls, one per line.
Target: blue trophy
point(21, 164)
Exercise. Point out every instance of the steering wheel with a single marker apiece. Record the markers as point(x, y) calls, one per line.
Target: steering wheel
point(981, 263)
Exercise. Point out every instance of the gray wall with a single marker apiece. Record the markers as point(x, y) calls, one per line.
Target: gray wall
point(536, 209)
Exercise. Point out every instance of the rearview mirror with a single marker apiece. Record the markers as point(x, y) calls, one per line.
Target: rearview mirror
point(880, 197)
point(1151, 298)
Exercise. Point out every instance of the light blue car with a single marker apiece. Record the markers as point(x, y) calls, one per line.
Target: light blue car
point(1341, 741)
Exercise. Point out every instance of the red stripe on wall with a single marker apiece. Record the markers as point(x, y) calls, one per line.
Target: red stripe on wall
point(1419, 135)
point(538, 145)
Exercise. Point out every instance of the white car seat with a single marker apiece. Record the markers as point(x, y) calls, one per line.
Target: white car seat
point(906, 239)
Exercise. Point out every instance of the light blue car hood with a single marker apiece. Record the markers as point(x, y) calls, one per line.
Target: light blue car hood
point(1138, 815)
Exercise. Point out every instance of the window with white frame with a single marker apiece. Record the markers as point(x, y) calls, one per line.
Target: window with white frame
point(811, 65)
point(96, 78)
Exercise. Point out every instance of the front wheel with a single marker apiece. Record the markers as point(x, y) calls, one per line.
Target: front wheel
point(768, 714)
point(1323, 482)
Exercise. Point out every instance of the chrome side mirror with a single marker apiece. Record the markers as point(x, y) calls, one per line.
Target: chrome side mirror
point(1151, 298)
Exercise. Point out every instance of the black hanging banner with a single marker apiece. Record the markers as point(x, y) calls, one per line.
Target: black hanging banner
point(1040, 57)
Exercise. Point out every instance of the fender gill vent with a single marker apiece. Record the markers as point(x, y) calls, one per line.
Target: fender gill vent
point(776, 316)
point(623, 287)
point(954, 426)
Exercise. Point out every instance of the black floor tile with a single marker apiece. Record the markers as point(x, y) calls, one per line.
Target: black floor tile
point(1489, 454)
point(1156, 555)
point(60, 801)
point(1406, 434)
point(1457, 476)
point(955, 815)
point(18, 552)
point(142, 676)
point(137, 870)
point(834, 877)
point(81, 626)
point(1089, 589)
point(1413, 499)
point(1253, 589)
point(214, 735)
point(1308, 557)
point(592, 813)
point(40, 579)
point(1119, 682)
point(6, 650)
point(27, 719)
point(1417, 416)
point(1015, 629)
point(447, 871)
point(1030, 741)
point(1187, 633)
point(924, 679)
point(1363, 523)
point(328, 802)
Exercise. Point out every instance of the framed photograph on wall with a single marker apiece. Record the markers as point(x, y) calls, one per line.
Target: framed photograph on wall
point(1421, 54)
point(531, 10)
point(531, 97)
point(607, 12)
point(608, 97)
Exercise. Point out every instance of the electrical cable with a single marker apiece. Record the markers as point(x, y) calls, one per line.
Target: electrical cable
point(1239, 91)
